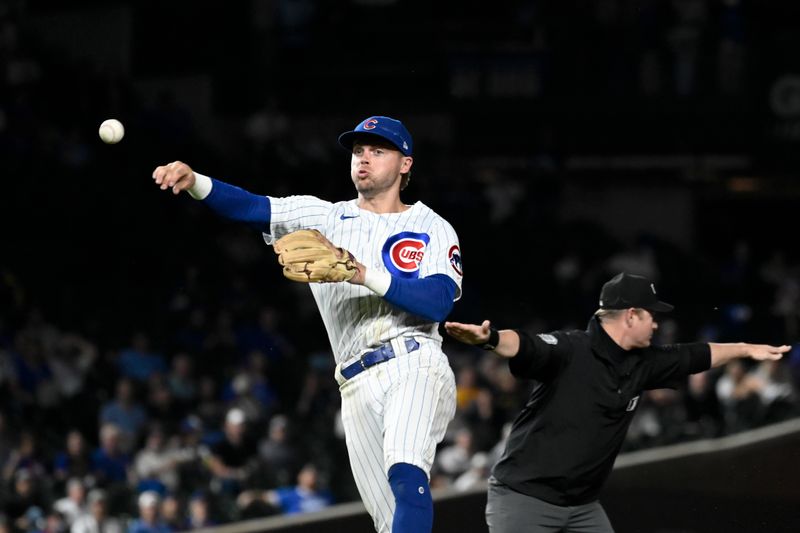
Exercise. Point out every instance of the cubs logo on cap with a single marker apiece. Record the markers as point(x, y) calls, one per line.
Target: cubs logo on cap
point(387, 128)
point(403, 252)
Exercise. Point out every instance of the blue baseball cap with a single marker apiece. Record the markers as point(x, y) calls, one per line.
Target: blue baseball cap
point(386, 128)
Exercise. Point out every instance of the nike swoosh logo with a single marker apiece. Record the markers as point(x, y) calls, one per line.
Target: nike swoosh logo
point(345, 217)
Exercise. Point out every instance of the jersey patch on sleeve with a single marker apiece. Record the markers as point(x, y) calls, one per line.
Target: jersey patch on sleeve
point(454, 256)
point(403, 252)
point(549, 339)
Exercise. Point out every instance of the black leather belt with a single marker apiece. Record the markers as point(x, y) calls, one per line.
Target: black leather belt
point(369, 359)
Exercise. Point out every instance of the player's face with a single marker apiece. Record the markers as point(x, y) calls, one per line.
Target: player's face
point(643, 326)
point(376, 167)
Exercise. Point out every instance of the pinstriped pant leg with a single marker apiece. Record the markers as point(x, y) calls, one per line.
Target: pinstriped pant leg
point(419, 407)
point(362, 420)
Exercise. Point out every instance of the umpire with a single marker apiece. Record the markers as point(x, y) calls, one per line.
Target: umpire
point(587, 386)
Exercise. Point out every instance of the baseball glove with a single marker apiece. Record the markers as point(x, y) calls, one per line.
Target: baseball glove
point(308, 257)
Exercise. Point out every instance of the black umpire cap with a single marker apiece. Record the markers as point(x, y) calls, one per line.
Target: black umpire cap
point(624, 291)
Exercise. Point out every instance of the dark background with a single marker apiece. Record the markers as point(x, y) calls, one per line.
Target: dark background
point(601, 127)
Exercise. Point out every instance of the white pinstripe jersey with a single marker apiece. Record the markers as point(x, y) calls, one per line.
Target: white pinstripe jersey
point(415, 244)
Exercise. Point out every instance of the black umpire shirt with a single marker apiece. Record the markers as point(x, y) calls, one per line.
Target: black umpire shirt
point(563, 444)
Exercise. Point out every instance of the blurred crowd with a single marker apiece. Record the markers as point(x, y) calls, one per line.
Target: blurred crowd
point(227, 418)
point(168, 378)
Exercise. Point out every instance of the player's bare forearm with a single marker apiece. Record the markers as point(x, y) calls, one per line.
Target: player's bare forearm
point(507, 345)
point(177, 176)
point(721, 353)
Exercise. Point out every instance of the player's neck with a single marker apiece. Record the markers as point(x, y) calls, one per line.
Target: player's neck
point(382, 204)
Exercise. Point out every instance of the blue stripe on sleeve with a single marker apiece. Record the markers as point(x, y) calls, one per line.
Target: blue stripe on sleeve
point(236, 204)
point(431, 297)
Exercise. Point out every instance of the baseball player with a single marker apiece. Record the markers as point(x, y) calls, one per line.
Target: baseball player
point(403, 272)
point(563, 444)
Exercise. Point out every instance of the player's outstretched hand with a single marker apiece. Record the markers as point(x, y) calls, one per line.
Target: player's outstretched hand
point(177, 176)
point(468, 333)
point(761, 352)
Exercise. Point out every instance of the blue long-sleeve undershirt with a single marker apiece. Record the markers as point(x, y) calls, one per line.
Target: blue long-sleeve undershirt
point(237, 204)
point(430, 298)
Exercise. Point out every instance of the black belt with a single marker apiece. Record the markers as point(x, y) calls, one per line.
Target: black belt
point(384, 353)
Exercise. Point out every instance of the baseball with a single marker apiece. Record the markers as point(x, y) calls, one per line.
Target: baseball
point(111, 131)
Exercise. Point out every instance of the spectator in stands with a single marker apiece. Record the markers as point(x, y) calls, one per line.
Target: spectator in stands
point(221, 339)
point(97, 520)
point(74, 461)
point(278, 455)
point(454, 459)
point(778, 395)
point(155, 465)
point(181, 380)
point(25, 503)
point(110, 463)
point(138, 362)
point(73, 505)
point(191, 451)
point(467, 387)
point(125, 413)
point(209, 408)
point(149, 520)
point(71, 362)
point(264, 336)
point(319, 398)
point(739, 393)
point(162, 406)
point(26, 456)
point(199, 514)
point(34, 383)
point(484, 420)
point(250, 390)
point(477, 477)
point(172, 512)
point(232, 460)
point(52, 522)
point(507, 392)
point(304, 497)
point(190, 334)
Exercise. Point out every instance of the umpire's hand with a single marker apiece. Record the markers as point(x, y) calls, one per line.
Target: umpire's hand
point(468, 333)
point(506, 345)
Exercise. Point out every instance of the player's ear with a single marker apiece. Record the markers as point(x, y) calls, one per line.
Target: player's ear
point(406, 164)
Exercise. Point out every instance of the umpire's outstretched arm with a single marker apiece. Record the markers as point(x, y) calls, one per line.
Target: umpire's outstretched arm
point(722, 353)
